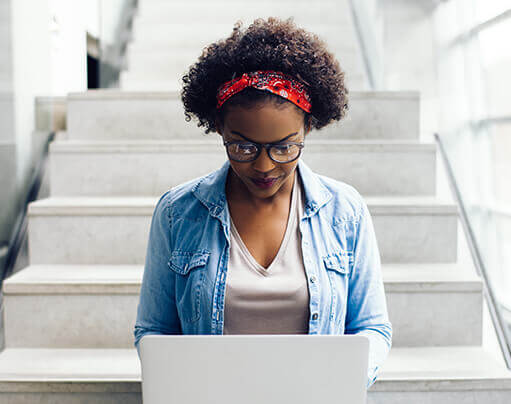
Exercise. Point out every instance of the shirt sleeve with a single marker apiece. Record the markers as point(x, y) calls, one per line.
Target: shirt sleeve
point(367, 308)
point(156, 311)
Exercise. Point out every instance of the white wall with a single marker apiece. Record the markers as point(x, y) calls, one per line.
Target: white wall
point(49, 57)
point(42, 53)
point(31, 71)
point(68, 25)
point(6, 101)
point(110, 11)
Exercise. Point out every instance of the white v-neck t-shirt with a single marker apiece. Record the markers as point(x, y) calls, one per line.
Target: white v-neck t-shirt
point(273, 300)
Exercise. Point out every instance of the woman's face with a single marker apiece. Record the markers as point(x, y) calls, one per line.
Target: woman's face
point(263, 124)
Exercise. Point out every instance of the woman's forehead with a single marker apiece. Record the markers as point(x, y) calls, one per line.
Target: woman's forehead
point(264, 123)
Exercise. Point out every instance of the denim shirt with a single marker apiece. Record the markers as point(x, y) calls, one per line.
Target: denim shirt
point(183, 284)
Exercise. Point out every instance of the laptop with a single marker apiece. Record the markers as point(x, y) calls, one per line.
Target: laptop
point(254, 369)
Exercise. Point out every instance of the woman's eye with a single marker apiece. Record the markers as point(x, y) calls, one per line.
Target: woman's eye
point(246, 148)
point(282, 149)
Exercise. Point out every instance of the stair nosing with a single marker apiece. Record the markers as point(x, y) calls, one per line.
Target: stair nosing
point(141, 206)
point(497, 378)
point(94, 95)
point(43, 279)
point(201, 145)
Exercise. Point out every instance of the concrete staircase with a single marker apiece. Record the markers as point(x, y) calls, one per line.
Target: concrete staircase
point(69, 316)
point(169, 35)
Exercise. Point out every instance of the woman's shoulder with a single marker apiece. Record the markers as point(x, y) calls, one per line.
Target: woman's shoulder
point(180, 197)
point(347, 201)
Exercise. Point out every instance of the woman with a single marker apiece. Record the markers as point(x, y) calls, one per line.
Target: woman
point(264, 245)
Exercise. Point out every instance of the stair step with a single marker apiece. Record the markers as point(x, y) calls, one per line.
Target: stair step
point(137, 81)
point(75, 280)
point(152, 62)
point(90, 306)
point(60, 364)
point(76, 295)
point(125, 279)
point(115, 229)
point(228, 11)
point(441, 375)
point(158, 32)
point(70, 376)
point(113, 114)
point(195, 43)
point(146, 34)
point(149, 168)
point(150, 57)
point(432, 375)
point(179, 30)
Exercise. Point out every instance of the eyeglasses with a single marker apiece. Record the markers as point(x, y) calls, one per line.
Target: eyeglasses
point(244, 151)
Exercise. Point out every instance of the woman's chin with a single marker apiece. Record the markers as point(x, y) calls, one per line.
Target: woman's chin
point(264, 191)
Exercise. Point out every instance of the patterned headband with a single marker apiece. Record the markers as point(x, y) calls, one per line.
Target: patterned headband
point(276, 82)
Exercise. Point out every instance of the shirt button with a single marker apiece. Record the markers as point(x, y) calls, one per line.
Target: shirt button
point(313, 278)
point(315, 316)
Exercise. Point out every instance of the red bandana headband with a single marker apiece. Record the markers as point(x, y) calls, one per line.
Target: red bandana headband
point(277, 82)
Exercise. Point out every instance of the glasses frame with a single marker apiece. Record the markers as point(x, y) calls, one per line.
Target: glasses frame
point(260, 146)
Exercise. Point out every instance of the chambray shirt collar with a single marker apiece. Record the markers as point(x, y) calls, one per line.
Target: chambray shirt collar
point(210, 190)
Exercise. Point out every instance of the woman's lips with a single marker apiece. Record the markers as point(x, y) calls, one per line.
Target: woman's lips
point(264, 183)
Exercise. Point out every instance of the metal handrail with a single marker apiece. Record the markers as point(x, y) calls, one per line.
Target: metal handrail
point(21, 225)
point(495, 313)
point(368, 38)
point(506, 14)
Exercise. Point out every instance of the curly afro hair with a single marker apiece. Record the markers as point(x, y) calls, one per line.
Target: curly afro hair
point(271, 44)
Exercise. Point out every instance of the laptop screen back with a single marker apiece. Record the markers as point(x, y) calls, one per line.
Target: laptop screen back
point(254, 369)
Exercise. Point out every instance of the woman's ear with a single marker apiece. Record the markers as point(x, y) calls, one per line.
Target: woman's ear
point(308, 127)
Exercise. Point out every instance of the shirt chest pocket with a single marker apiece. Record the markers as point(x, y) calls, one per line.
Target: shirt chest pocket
point(189, 267)
point(337, 266)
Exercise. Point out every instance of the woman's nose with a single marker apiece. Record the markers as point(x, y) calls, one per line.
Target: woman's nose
point(263, 162)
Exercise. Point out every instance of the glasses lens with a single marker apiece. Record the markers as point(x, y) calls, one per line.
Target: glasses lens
point(242, 151)
point(285, 152)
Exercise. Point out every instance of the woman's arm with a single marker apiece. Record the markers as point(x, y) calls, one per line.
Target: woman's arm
point(156, 312)
point(367, 308)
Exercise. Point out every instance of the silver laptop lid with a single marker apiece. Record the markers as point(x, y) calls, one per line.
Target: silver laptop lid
point(254, 369)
